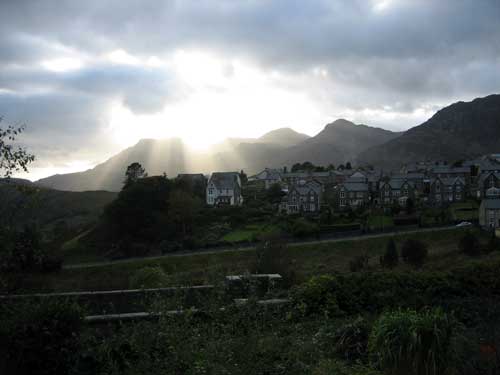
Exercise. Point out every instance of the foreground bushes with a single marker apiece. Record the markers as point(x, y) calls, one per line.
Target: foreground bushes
point(412, 343)
point(374, 292)
point(39, 338)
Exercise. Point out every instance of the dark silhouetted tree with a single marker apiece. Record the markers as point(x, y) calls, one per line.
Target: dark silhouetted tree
point(134, 172)
point(348, 165)
point(12, 159)
point(275, 193)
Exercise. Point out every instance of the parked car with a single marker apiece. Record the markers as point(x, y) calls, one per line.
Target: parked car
point(464, 224)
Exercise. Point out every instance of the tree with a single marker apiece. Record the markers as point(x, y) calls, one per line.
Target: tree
point(348, 165)
point(414, 252)
point(330, 167)
point(134, 172)
point(410, 206)
point(469, 244)
point(183, 207)
point(390, 259)
point(12, 159)
point(275, 193)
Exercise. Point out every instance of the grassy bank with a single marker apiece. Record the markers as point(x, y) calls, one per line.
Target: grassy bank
point(304, 260)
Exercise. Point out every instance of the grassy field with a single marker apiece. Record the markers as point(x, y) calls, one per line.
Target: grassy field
point(376, 222)
point(305, 260)
point(248, 233)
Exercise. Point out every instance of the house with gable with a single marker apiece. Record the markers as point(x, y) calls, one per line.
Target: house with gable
point(397, 190)
point(224, 188)
point(445, 190)
point(303, 197)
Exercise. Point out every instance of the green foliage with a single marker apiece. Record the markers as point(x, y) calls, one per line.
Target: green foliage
point(148, 278)
point(317, 296)
point(22, 251)
point(414, 343)
point(359, 263)
point(12, 159)
point(351, 340)
point(469, 244)
point(390, 259)
point(334, 367)
point(414, 252)
point(302, 228)
point(40, 338)
point(493, 243)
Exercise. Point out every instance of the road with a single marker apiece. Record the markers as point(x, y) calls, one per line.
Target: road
point(250, 248)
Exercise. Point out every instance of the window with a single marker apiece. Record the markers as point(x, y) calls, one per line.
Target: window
point(492, 182)
point(342, 194)
point(210, 191)
point(360, 194)
point(438, 187)
point(405, 192)
point(459, 196)
point(342, 202)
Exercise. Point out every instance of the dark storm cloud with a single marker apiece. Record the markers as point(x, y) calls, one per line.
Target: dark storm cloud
point(408, 54)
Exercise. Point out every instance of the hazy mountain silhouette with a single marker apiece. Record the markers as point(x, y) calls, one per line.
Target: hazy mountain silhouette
point(459, 131)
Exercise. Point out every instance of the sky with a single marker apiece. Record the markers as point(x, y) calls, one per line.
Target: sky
point(89, 78)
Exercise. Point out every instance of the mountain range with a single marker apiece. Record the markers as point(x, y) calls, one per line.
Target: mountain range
point(458, 131)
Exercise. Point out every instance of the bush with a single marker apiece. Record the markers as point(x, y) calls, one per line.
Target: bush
point(303, 228)
point(359, 263)
point(148, 278)
point(333, 367)
point(414, 252)
point(469, 244)
point(317, 296)
point(390, 259)
point(40, 338)
point(351, 340)
point(493, 243)
point(412, 343)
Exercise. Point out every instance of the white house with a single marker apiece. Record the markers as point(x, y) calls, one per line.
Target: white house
point(224, 188)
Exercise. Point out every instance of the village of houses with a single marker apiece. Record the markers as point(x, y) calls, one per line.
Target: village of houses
point(432, 184)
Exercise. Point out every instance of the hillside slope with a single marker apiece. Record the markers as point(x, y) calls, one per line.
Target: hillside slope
point(461, 130)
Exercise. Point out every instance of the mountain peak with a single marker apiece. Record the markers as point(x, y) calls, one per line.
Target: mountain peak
point(283, 136)
point(341, 122)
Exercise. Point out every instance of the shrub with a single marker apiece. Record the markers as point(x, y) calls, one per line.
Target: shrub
point(317, 296)
point(414, 252)
point(148, 277)
point(40, 338)
point(412, 343)
point(329, 367)
point(303, 228)
point(351, 339)
point(493, 243)
point(469, 244)
point(390, 259)
point(359, 263)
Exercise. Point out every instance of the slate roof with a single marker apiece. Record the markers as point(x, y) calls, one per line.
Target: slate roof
point(397, 183)
point(449, 181)
point(306, 188)
point(224, 180)
point(355, 186)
